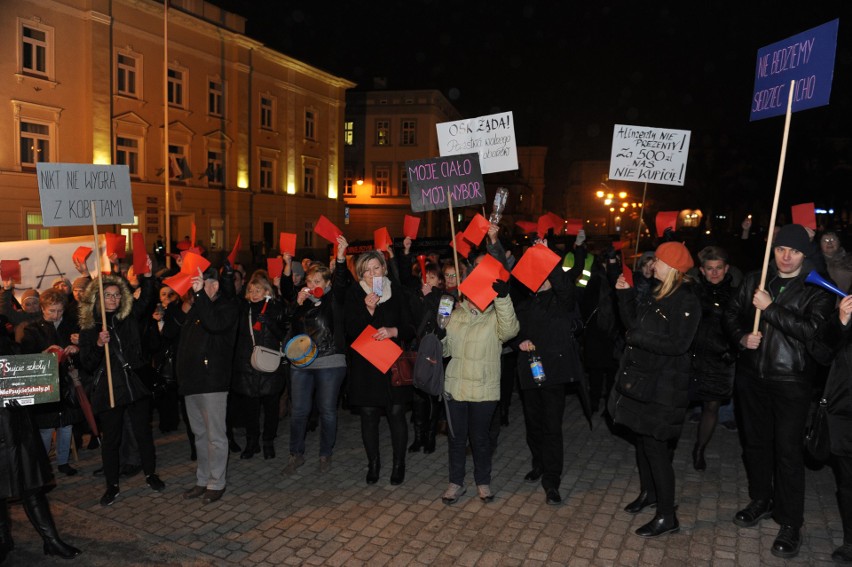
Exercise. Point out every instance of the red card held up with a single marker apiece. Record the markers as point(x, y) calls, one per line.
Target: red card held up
point(287, 243)
point(527, 226)
point(275, 267)
point(618, 245)
point(666, 219)
point(476, 230)
point(628, 274)
point(81, 253)
point(182, 281)
point(477, 285)
point(556, 222)
point(461, 245)
point(326, 229)
point(382, 239)
point(179, 282)
point(140, 256)
point(232, 257)
point(805, 215)
point(535, 265)
point(381, 354)
point(410, 226)
point(115, 244)
point(574, 226)
point(10, 270)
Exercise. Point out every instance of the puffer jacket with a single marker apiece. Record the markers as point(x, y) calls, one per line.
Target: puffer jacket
point(474, 341)
point(789, 326)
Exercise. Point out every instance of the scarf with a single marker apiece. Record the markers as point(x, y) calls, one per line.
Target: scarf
point(386, 289)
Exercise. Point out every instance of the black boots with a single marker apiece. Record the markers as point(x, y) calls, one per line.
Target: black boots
point(398, 472)
point(418, 440)
point(373, 468)
point(755, 511)
point(661, 524)
point(252, 448)
point(641, 502)
point(38, 511)
point(268, 450)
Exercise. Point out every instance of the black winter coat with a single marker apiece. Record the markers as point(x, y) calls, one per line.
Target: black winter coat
point(713, 353)
point(789, 326)
point(659, 334)
point(273, 327)
point(838, 387)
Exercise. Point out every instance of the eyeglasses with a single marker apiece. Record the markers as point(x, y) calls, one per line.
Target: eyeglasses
point(829, 240)
point(449, 275)
point(112, 296)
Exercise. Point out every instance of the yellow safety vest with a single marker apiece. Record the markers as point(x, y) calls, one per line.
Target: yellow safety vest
point(568, 263)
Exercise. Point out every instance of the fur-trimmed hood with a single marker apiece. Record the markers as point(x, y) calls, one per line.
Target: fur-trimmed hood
point(90, 307)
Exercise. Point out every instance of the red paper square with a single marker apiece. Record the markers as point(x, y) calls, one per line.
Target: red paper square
point(477, 285)
point(381, 354)
point(326, 229)
point(410, 226)
point(382, 239)
point(666, 219)
point(618, 245)
point(275, 267)
point(574, 226)
point(115, 244)
point(81, 253)
point(628, 274)
point(287, 243)
point(10, 270)
point(535, 265)
point(140, 256)
point(461, 245)
point(232, 257)
point(477, 229)
point(179, 282)
point(193, 262)
point(527, 226)
point(805, 215)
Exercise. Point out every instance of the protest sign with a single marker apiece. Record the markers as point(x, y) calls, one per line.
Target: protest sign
point(69, 190)
point(651, 155)
point(492, 137)
point(431, 180)
point(42, 261)
point(29, 378)
point(806, 59)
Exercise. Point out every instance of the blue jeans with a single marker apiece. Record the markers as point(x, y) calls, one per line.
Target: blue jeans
point(303, 382)
point(63, 443)
point(473, 420)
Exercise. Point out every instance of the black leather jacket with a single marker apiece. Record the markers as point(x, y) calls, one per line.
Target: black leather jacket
point(790, 327)
point(322, 322)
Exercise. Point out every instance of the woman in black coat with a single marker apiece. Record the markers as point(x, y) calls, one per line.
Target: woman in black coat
point(369, 389)
point(262, 321)
point(650, 396)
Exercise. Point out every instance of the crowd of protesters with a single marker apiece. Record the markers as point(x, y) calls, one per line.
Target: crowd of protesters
point(644, 345)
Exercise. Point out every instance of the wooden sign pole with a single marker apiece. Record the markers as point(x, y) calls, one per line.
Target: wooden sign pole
point(103, 311)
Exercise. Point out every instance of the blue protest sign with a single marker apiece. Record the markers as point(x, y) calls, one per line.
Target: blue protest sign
point(807, 59)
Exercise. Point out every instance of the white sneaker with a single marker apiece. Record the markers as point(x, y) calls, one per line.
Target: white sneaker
point(453, 493)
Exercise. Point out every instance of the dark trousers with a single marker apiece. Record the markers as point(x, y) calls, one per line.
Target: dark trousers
point(773, 417)
point(656, 473)
point(251, 413)
point(112, 422)
point(370, 417)
point(471, 420)
point(544, 408)
point(843, 474)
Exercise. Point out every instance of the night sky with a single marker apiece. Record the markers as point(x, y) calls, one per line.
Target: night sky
point(570, 70)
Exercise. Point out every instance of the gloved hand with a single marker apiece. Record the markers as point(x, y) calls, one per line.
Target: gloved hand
point(581, 238)
point(501, 287)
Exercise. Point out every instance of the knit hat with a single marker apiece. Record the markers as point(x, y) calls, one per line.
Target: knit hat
point(794, 236)
point(298, 270)
point(28, 294)
point(81, 283)
point(57, 281)
point(675, 255)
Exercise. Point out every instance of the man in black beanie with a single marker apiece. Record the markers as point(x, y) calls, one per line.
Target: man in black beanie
point(773, 381)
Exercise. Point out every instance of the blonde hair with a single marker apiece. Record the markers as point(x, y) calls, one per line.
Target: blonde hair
point(260, 278)
point(668, 286)
point(361, 262)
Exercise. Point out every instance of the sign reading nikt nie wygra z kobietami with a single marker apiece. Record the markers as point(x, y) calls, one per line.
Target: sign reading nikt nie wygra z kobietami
point(651, 155)
point(29, 378)
point(69, 191)
point(433, 182)
point(492, 137)
point(806, 58)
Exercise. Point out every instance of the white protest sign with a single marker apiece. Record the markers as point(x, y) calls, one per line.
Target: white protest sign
point(651, 155)
point(69, 190)
point(42, 261)
point(492, 137)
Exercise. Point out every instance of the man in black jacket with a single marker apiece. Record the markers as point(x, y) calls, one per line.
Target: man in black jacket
point(773, 382)
point(204, 359)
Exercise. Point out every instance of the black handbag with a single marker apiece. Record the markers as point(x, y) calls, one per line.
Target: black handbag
point(817, 441)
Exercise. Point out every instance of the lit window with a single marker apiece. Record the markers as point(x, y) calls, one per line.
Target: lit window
point(381, 181)
point(267, 175)
point(127, 231)
point(176, 87)
point(127, 153)
point(310, 125)
point(267, 112)
point(215, 168)
point(36, 50)
point(348, 182)
point(348, 133)
point(409, 133)
point(215, 98)
point(127, 70)
point(35, 228)
point(382, 132)
point(35, 143)
point(309, 185)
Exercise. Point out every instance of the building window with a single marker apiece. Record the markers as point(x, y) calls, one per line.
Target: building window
point(35, 227)
point(409, 133)
point(216, 98)
point(310, 125)
point(381, 181)
point(348, 133)
point(36, 50)
point(127, 153)
point(267, 112)
point(382, 132)
point(127, 69)
point(215, 167)
point(267, 175)
point(403, 181)
point(176, 87)
point(35, 143)
point(178, 163)
point(127, 231)
point(309, 181)
point(348, 182)
point(309, 234)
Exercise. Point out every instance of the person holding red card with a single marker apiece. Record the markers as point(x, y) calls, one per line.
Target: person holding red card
point(651, 390)
point(375, 301)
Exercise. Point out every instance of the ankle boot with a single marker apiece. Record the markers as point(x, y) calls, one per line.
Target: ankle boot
point(252, 448)
point(268, 450)
point(661, 524)
point(373, 468)
point(642, 501)
point(398, 472)
point(6, 543)
point(418, 440)
point(38, 511)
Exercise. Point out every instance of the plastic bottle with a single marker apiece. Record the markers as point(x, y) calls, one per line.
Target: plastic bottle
point(499, 204)
point(536, 367)
point(445, 309)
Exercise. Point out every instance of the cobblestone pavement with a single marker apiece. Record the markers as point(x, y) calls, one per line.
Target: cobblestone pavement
point(268, 519)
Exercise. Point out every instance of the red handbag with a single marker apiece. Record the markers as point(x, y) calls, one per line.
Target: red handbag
point(402, 371)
